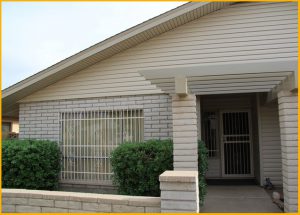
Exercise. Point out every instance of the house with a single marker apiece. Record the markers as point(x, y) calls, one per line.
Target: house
point(10, 128)
point(219, 71)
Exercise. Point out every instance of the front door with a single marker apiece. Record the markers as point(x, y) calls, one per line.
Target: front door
point(236, 146)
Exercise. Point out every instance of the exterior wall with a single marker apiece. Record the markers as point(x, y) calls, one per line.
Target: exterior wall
point(40, 120)
point(14, 124)
point(14, 200)
point(13, 130)
point(270, 143)
point(288, 119)
point(243, 32)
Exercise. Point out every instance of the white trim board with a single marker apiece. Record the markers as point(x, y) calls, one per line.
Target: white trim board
point(223, 69)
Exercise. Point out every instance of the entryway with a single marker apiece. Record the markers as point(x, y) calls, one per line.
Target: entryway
point(239, 199)
point(229, 130)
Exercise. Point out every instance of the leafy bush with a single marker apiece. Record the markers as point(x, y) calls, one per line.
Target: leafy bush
point(30, 164)
point(137, 166)
point(202, 168)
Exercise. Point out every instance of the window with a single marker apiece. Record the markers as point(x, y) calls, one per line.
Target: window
point(210, 129)
point(87, 139)
point(6, 129)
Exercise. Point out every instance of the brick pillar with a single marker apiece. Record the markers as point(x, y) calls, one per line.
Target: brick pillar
point(179, 191)
point(288, 119)
point(185, 132)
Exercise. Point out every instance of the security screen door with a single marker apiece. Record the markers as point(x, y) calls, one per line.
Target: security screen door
point(236, 144)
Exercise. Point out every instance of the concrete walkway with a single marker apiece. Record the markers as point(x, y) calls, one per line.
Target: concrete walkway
point(243, 198)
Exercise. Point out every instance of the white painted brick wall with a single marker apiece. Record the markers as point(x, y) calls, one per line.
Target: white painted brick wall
point(41, 119)
point(288, 119)
point(20, 200)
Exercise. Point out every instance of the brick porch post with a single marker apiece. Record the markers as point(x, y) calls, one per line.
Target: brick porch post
point(185, 132)
point(288, 119)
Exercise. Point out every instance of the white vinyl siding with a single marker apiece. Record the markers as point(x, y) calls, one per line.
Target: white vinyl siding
point(270, 143)
point(243, 32)
point(87, 139)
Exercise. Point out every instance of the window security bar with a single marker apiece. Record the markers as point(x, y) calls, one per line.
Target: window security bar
point(88, 137)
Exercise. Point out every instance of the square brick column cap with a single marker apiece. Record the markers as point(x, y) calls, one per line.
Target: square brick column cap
point(179, 176)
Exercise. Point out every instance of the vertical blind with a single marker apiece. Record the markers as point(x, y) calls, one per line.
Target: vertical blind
point(87, 139)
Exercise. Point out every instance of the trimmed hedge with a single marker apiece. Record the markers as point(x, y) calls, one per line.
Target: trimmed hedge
point(136, 166)
point(30, 164)
point(202, 168)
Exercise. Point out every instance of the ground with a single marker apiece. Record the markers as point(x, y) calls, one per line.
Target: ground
point(249, 198)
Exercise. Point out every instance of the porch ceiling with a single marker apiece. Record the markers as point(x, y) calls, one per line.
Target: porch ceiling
point(224, 78)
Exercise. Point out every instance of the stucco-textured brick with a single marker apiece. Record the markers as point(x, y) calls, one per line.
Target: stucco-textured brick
point(152, 209)
point(178, 195)
point(89, 206)
point(179, 204)
point(54, 210)
point(81, 211)
point(28, 209)
point(16, 201)
point(68, 204)
point(8, 208)
point(42, 118)
point(126, 209)
point(41, 202)
point(177, 186)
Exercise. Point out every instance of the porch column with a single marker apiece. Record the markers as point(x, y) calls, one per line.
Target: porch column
point(288, 118)
point(185, 152)
point(179, 192)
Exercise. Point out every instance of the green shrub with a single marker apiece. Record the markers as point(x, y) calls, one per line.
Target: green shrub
point(137, 166)
point(202, 168)
point(30, 164)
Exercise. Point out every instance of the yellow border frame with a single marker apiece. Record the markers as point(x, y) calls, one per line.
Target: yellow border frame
point(134, 1)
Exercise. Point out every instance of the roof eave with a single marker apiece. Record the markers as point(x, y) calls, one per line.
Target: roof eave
point(101, 51)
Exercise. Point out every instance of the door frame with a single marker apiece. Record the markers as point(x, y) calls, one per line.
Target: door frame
point(223, 175)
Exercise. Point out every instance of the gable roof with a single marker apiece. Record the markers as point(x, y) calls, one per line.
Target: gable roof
point(105, 49)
